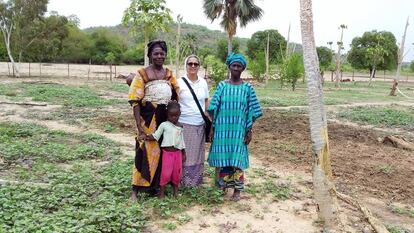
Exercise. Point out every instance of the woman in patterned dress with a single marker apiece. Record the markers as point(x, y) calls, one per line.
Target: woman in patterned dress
point(234, 108)
point(150, 91)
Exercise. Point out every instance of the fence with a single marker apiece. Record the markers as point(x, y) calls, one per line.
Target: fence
point(67, 70)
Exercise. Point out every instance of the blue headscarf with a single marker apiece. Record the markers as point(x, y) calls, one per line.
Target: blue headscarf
point(236, 57)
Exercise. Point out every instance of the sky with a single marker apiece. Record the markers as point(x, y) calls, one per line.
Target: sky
point(359, 16)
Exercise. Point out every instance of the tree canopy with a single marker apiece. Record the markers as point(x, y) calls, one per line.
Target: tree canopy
point(147, 17)
point(243, 11)
point(363, 49)
point(325, 57)
point(258, 43)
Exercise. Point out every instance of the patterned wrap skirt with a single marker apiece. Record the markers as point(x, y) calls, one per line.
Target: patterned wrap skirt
point(193, 167)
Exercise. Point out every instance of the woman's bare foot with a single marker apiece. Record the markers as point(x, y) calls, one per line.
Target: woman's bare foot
point(133, 196)
point(175, 190)
point(161, 193)
point(236, 196)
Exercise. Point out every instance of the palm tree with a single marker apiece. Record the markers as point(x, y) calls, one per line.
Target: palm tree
point(244, 11)
point(322, 172)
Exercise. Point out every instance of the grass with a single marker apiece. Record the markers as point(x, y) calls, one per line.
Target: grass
point(68, 96)
point(29, 142)
point(393, 116)
point(273, 95)
point(402, 210)
point(80, 195)
point(396, 229)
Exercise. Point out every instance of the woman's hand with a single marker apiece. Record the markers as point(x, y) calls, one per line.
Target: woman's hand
point(248, 137)
point(210, 135)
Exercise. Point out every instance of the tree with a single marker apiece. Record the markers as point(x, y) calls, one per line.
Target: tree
point(134, 54)
point(400, 59)
point(338, 55)
point(244, 11)
point(147, 17)
point(412, 66)
point(105, 41)
point(360, 47)
point(291, 70)
point(325, 59)
point(258, 42)
point(177, 45)
point(322, 172)
point(48, 45)
point(375, 56)
point(221, 50)
point(77, 46)
point(19, 21)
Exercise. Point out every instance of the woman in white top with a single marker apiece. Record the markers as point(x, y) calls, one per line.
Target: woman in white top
point(193, 122)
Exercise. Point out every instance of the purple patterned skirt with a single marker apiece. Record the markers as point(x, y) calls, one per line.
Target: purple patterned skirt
point(195, 152)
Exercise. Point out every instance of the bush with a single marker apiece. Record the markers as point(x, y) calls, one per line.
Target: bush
point(291, 70)
point(257, 67)
point(217, 70)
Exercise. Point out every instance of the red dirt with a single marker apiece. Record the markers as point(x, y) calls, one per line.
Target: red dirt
point(360, 163)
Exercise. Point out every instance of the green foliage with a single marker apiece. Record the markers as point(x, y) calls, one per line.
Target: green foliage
point(83, 198)
point(221, 49)
point(104, 42)
point(217, 69)
point(396, 229)
point(412, 66)
point(77, 46)
point(380, 116)
point(48, 44)
point(68, 96)
point(291, 70)
point(21, 142)
point(234, 12)
point(257, 66)
point(134, 55)
point(402, 210)
point(379, 47)
point(26, 18)
point(258, 42)
point(110, 58)
point(325, 57)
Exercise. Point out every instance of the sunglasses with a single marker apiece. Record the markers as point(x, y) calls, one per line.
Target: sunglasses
point(193, 64)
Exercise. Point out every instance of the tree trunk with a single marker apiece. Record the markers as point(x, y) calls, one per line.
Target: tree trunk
point(9, 53)
point(400, 58)
point(229, 45)
point(267, 59)
point(371, 76)
point(177, 48)
point(146, 41)
point(322, 173)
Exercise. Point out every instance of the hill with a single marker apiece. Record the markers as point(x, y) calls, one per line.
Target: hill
point(206, 37)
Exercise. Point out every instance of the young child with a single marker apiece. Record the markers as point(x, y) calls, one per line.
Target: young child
point(173, 148)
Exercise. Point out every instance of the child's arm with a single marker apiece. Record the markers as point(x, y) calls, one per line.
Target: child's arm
point(157, 134)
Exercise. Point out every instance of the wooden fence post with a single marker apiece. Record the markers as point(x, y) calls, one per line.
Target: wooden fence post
point(8, 67)
point(29, 69)
point(89, 68)
point(68, 71)
point(40, 69)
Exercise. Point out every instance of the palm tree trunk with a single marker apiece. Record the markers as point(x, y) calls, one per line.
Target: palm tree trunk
point(400, 58)
point(229, 45)
point(322, 173)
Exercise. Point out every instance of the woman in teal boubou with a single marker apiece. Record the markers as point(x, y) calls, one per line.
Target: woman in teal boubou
point(233, 108)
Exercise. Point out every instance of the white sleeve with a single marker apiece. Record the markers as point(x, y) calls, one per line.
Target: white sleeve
point(158, 133)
